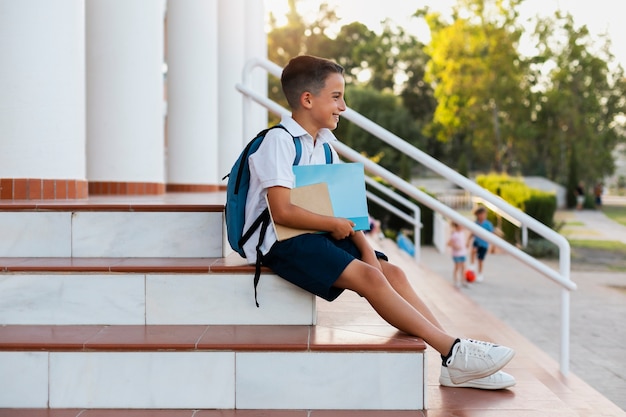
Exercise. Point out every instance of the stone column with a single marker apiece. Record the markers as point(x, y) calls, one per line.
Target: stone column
point(192, 96)
point(232, 36)
point(125, 96)
point(42, 100)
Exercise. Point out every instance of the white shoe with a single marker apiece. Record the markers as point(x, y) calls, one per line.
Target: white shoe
point(480, 278)
point(473, 359)
point(499, 380)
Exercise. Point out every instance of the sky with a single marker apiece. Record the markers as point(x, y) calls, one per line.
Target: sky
point(600, 16)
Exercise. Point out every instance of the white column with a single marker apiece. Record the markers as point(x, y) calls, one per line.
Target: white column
point(256, 47)
point(192, 95)
point(125, 103)
point(232, 41)
point(42, 92)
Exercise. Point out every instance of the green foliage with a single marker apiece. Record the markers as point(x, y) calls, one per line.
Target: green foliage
point(469, 98)
point(386, 110)
point(538, 204)
point(542, 248)
point(477, 72)
point(577, 95)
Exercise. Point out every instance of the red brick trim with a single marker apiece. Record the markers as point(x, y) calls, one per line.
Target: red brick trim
point(191, 188)
point(42, 189)
point(125, 188)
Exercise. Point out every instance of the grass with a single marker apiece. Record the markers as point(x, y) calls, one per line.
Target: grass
point(608, 245)
point(574, 223)
point(616, 213)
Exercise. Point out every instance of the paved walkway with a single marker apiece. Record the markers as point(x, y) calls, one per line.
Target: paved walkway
point(530, 303)
point(591, 225)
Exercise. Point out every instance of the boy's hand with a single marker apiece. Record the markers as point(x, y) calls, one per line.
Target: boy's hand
point(342, 228)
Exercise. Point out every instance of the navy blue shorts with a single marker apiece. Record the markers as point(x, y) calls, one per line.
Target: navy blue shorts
point(481, 252)
point(313, 262)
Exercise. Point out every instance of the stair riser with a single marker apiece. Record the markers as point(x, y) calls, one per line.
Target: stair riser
point(193, 380)
point(111, 234)
point(118, 299)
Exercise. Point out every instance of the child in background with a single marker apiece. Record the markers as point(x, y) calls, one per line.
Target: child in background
point(459, 253)
point(480, 246)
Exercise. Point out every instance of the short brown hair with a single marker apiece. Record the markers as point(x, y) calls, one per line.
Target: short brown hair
point(306, 73)
point(480, 209)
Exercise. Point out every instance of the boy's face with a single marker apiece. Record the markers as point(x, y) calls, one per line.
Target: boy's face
point(329, 103)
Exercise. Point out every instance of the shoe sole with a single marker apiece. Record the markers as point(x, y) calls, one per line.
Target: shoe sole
point(447, 382)
point(468, 377)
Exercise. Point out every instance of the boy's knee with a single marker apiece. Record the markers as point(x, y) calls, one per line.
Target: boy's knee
point(395, 275)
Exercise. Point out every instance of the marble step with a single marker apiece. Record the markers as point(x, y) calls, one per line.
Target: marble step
point(135, 226)
point(146, 291)
point(211, 367)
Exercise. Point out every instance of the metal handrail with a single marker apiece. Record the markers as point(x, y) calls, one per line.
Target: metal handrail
point(562, 277)
point(416, 220)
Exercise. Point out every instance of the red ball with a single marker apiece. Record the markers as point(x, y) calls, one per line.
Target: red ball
point(470, 276)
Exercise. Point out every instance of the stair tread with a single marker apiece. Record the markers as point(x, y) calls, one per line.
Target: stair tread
point(205, 202)
point(230, 264)
point(206, 337)
point(25, 412)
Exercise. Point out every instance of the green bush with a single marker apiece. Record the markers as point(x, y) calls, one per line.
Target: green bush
point(538, 204)
point(541, 248)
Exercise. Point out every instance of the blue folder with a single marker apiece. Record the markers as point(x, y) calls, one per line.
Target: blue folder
point(346, 186)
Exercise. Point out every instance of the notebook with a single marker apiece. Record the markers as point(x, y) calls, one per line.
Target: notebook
point(346, 185)
point(313, 197)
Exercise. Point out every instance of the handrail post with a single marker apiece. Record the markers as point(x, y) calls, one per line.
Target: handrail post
point(565, 331)
point(417, 233)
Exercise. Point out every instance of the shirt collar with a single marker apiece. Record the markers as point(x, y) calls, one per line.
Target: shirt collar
point(324, 135)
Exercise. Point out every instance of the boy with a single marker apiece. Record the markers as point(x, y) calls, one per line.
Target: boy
point(480, 246)
point(327, 264)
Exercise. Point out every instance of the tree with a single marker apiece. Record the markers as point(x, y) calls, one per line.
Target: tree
point(385, 109)
point(384, 74)
point(477, 76)
point(577, 103)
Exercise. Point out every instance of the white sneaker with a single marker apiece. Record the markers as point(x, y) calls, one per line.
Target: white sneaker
point(473, 359)
point(499, 380)
point(480, 278)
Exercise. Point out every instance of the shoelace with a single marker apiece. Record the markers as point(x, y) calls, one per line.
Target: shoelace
point(480, 342)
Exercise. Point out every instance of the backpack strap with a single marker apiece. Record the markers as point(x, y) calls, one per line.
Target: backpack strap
point(328, 153)
point(265, 222)
point(298, 143)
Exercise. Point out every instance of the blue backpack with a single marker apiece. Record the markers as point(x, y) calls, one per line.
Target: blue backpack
point(237, 193)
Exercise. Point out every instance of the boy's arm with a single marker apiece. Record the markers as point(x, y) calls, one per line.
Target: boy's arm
point(367, 253)
point(287, 214)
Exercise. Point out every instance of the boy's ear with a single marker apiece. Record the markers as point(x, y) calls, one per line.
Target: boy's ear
point(306, 100)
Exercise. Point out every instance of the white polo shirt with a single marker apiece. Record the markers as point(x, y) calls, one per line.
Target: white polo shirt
point(271, 165)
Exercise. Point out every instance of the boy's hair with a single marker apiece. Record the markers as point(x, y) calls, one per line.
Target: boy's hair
point(306, 73)
point(480, 210)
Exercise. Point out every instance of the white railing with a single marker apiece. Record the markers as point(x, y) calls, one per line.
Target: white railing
point(415, 209)
point(561, 277)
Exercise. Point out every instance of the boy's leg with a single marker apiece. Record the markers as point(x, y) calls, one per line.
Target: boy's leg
point(465, 359)
point(370, 283)
point(400, 283)
point(482, 253)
